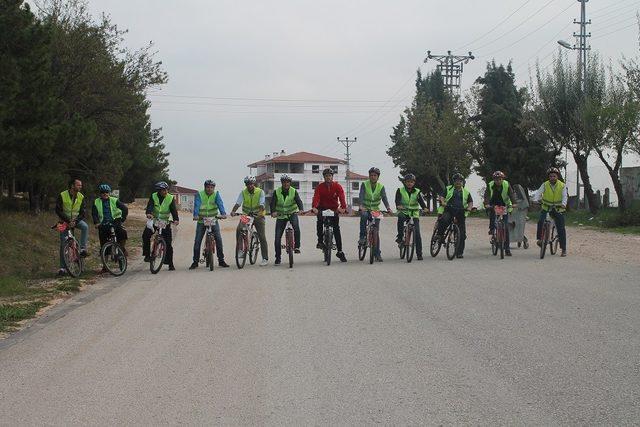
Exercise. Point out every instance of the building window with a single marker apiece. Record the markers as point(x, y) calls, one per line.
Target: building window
point(355, 185)
point(314, 185)
point(334, 168)
point(296, 167)
point(184, 199)
point(315, 169)
point(295, 184)
point(356, 201)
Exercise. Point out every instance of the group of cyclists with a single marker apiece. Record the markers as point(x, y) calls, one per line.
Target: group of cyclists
point(455, 205)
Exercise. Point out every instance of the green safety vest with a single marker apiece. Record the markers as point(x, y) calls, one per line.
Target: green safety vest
point(285, 207)
point(465, 199)
point(552, 196)
point(505, 194)
point(116, 213)
point(208, 206)
point(372, 198)
point(162, 211)
point(251, 202)
point(71, 207)
point(410, 202)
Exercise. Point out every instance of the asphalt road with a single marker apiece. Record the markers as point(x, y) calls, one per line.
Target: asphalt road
point(473, 341)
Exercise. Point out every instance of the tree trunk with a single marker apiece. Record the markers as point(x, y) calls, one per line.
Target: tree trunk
point(615, 177)
point(582, 163)
point(34, 198)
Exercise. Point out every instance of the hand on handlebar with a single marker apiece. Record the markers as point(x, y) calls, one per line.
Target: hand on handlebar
point(222, 217)
point(341, 210)
point(314, 210)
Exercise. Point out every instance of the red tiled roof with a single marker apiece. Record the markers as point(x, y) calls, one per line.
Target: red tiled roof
point(176, 189)
point(300, 157)
point(356, 176)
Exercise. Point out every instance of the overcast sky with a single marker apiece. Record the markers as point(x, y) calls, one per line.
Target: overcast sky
point(346, 68)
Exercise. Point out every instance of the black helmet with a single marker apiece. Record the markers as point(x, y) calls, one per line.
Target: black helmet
point(328, 171)
point(374, 170)
point(553, 170)
point(457, 177)
point(104, 188)
point(409, 177)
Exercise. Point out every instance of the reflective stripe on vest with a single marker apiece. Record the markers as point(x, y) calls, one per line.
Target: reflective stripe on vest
point(71, 207)
point(372, 198)
point(552, 196)
point(208, 205)
point(410, 202)
point(251, 202)
point(505, 194)
point(465, 199)
point(286, 206)
point(116, 213)
point(162, 211)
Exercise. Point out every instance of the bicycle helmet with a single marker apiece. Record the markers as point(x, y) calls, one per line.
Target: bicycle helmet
point(374, 170)
point(457, 177)
point(499, 174)
point(409, 177)
point(249, 180)
point(104, 188)
point(553, 169)
point(209, 182)
point(162, 185)
point(327, 171)
point(284, 177)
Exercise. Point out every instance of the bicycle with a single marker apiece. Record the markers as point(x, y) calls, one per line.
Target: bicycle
point(373, 237)
point(289, 242)
point(408, 244)
point(158, 245)
point(210, 241)
point(327, 234)
point(450, 238)
point(245, 244)
point(499, 232)
point(112, 255)
point(71, 257)
point(549, 235)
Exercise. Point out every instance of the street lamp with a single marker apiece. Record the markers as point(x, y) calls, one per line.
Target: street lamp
point(565, 44)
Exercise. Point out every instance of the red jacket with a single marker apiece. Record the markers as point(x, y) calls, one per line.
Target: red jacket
point(327, 196)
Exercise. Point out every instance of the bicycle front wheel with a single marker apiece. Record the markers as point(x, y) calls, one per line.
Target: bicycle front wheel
point(158, 254)
point(113, 258)
point(501, 239)
point(290, 244)
point(435, 243)
point(328, 245)
point(410, 244)
point(210, 245)
point(545, 240)
point(372, 245)
point(554, 242)
point(452, 242)
point(254, 247)
point(72, 260)
point(241, 251)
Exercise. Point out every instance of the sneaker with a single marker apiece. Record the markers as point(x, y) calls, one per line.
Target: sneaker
point(507, 252)
point(341, 256)
point(296, 251)
point(171, 267)
point(320, 245)
point(419, 257)
point(277, 262)
point(223, 264)
point(564, 253)
point(194, 265)
point(379, 258)
point(264, 262)
point(539, 243)
point(147, 258)
point(459, 256)
point(62, 272)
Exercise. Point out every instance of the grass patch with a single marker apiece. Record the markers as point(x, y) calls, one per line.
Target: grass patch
point(69, 285)
point(11, 314)
point(610, 219)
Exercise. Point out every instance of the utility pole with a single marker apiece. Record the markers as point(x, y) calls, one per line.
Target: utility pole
point(582, 47)
point(347, 145)
point(451, 68)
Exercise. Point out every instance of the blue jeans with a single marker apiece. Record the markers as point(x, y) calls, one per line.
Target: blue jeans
point(558, 217)
point(201, 230)
point(364, 217)
point(492, 225)
point(84, 238)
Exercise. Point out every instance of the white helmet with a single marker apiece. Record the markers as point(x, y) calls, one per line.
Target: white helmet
point(284, 177)
point(249, 179)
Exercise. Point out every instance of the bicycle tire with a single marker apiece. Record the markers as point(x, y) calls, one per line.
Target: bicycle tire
point(411, 248)
point(72, 260)
point(254, 247)
point(158, 253)
point(553, 243)
point(241, 248)
point(118, 257)
point(328, 245)
point(372, 245)
point(452, 241)
point(210, 251)
point(501, 238)
point(290, 245)
point(362, 251)
point(436, 244)
point(403, 249)
point(545, 240)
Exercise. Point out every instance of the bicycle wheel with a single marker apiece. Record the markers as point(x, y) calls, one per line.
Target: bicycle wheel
point(328, 245)
point(501, 239)
point(210, 251)
point(113, 258)
point(410, 247)
point(362, 251)
point(435, 243)
point(290, 244)
point(241, 251)
point(494, 243)
point(158, 253)
point(254, 247)
point(554, 242)
point(72, 259)
point(545, 240)
point(452, 241)
point(372, 245)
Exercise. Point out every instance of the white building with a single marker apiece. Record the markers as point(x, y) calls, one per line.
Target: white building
point(305, 170)
point(185, 197)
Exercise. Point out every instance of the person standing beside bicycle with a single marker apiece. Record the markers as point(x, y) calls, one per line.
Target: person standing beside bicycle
point(329, 195)
point(161, 206)
point(285, 205)
point(371, 194)
point(71, 210)
point(555, 196)
point(107, 211)
point(252, 200)
point(499, 193)
point(208, 204)
point(456, 204)
point(409, 202)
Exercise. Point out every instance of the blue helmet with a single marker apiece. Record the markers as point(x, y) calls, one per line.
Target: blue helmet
point(104, 188)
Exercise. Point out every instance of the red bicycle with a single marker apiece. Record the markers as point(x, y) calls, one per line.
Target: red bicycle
point(73, 261)
point(499, 233)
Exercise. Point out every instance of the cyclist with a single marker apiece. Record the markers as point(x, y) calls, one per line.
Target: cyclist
point(161, 205)
point(285, 203)
point(208, 203)
point(329, 195)
point(252, 200)
point(371, 194)
point(499, 193)
point(409, 201)
point(553, 192)
point(456, 203)
point(107, 211)
point(70, 208)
